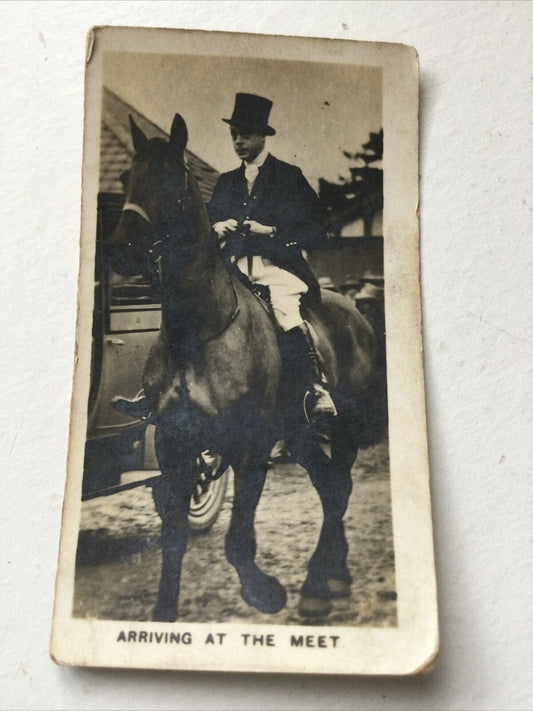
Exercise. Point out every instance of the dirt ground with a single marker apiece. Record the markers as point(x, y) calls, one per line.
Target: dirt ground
point(119, 557)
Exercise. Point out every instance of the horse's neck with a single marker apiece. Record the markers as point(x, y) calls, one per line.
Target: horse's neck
point(198, 297)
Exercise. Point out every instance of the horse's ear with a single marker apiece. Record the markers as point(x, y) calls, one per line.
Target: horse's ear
point(138, 137)
point(178, 136)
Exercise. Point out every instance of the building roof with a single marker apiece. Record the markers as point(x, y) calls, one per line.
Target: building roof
point(116, 147)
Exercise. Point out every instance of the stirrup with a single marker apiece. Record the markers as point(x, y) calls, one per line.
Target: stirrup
point(318, 404)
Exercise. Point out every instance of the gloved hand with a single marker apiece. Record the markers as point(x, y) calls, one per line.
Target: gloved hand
point(226, 227)
point(259, 230)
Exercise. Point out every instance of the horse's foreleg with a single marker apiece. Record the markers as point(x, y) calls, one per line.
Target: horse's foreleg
point(327, 575)
point(172, 496)
point(258, 589)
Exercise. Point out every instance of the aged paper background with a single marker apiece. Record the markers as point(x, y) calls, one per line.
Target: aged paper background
point(475, 275)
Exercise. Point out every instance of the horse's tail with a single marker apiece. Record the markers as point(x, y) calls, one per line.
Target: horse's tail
point(372, 410)
point(375, 397)
point(354, 357)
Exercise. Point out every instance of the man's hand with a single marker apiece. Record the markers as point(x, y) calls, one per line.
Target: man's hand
point(226, 227)
point(259, 230)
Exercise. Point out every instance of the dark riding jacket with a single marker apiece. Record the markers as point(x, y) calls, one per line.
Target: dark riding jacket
point(281, 197)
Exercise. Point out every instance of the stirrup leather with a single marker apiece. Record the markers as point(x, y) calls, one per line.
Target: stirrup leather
point(321, 405)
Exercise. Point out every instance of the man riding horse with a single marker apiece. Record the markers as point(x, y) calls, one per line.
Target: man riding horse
point(214, 377)
point(268, 212)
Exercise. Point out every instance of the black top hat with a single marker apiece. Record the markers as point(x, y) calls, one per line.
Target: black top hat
point(251, 111)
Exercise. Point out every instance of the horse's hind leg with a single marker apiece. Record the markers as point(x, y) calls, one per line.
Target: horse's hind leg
point(172, 495)
point(258, 589)
point(327, 575)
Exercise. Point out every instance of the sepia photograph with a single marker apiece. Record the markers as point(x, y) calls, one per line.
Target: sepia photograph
point(267, 427)
point(247, 323)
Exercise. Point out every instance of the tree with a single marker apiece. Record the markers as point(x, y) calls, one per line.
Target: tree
point(360, 195)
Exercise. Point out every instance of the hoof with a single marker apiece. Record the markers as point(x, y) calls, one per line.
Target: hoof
point(265, 593)
point(314, 606)
point(338, 588)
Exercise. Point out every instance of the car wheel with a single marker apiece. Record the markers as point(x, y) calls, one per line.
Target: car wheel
point(208, 496)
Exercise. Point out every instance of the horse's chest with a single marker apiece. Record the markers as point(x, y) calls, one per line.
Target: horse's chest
point(213, 393)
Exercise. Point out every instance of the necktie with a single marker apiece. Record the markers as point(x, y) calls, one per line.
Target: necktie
point(251, 171)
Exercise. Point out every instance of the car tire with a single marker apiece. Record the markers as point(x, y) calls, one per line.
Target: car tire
point(207, 501)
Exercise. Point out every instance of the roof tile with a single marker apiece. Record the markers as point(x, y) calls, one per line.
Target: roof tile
point(116, 148)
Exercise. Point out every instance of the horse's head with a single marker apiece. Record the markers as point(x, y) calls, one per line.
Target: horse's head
point(157, 192)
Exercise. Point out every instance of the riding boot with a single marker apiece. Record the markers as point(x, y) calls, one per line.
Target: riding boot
point(138, 407)
point(298, 350)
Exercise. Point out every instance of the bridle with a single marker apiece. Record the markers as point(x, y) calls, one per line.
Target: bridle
point(139, 210)
point(159, 238)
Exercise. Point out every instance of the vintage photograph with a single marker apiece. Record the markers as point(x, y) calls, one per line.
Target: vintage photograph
point(247, 483)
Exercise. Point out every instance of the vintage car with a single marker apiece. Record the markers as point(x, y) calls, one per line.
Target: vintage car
point(119, 451)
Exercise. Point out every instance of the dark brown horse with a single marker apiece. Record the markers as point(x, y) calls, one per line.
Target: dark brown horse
point(214, 380)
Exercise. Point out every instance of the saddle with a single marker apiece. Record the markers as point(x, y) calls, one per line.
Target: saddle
point(261, 293)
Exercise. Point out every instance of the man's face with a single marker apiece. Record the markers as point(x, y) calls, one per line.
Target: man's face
point(247, 143)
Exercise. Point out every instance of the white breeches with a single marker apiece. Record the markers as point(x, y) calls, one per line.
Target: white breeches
point(285, 289)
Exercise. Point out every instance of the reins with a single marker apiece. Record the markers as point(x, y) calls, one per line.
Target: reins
point(191, 251)
point(164, 235)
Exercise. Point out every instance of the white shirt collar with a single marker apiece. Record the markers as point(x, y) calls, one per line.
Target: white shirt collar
point(259, 160)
